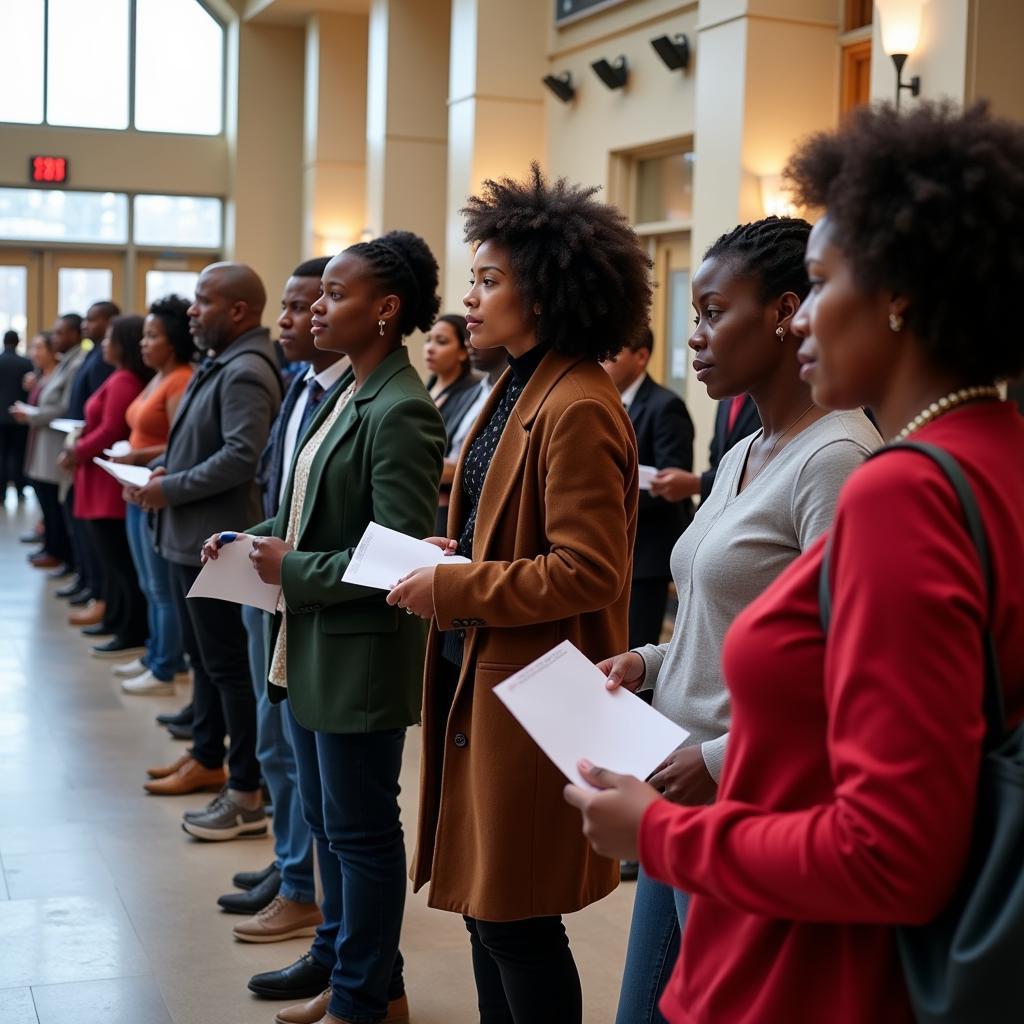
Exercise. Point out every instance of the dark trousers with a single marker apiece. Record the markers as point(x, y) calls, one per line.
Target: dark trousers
point(222, 698)
point(647, 602)
point(90, 569)
point(348, 783)
point(56, 541)
point(126, 612)
point(524, 972)
point(13, 441)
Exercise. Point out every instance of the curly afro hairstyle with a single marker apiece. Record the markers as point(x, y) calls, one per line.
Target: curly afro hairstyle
point(403, 265)
point(576, 259)
point(931, 205)
point(771, 251)
point(172, 312)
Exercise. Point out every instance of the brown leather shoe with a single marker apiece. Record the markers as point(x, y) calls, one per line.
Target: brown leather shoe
point(315, 1012)
point(92, 613)
point(280, 919)
point(191, 777)
point(44, 561)
point(162, 771)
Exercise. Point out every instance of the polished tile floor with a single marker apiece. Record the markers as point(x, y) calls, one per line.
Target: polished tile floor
point(107, 909)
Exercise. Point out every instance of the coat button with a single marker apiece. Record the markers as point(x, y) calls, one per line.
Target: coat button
point(460, 739)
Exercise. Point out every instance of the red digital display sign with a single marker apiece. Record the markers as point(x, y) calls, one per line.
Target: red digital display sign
point(48, 170)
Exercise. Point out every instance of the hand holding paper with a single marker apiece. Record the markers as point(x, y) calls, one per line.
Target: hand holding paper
point(561, 700)
point(118, 449)
point(646, 474)
point(130, 476)
point(383, 556)
point(231, 576)
point(66, 426)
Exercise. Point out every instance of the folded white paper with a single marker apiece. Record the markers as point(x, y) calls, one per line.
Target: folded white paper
point(231, 577)
point(647, 474)
point(383, 556)
point(25, 409)
point(118, 449)
point(561, 701)
point(66, 426)
point(130, 476)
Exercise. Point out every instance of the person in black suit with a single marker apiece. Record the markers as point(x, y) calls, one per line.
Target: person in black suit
point(13, 435)
point(664, 440)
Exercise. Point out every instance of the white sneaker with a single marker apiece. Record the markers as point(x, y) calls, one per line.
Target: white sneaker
point(148, 685)
point(130, 670)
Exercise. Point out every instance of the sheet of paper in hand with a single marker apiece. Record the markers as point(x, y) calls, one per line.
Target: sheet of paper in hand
point(383, 556)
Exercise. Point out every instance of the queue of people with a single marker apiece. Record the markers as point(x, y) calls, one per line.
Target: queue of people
point(827, 651)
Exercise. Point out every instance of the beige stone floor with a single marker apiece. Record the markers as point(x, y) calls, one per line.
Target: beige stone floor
point(107, 909)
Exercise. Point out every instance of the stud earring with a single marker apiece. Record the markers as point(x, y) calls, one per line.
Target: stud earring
point(780, 331)
point(380, 324)
point(895, 323)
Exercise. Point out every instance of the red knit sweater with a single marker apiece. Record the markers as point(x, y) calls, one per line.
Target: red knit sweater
point(849, 786)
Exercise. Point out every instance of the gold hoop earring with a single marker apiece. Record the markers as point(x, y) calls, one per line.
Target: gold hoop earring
point(895, 323)
point(380, 324)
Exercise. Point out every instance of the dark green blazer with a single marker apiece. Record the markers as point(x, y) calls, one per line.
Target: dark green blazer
point(355, 664)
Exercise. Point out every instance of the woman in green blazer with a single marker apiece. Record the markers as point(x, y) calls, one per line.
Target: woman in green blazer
point(350, 665)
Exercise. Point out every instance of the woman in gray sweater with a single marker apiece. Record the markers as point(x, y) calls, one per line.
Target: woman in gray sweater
point(775, 492)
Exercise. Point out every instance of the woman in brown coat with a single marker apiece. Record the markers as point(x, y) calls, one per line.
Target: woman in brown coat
point(544, 503)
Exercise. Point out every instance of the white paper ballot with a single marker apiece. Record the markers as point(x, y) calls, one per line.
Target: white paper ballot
point(66, 426)
point(647, 474)
point(561, 701)
point(384, 556)
point(117, 449)
point(231, 577)
point(25, 409)
point(130, 476)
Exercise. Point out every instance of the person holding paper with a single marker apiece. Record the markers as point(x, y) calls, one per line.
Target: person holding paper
point(545, 505)
point(168, 352)
point(350, 666)
point(98, 496)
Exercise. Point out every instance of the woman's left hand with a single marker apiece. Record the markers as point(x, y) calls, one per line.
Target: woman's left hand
point(612, 813)
point(267, 555)
point(683, 777)
point(415, 593)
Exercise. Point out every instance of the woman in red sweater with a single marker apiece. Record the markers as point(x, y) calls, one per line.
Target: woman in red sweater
point(848, 795)
point(98, 495)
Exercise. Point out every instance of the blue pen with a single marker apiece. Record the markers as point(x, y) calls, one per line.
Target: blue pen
point(226, 538)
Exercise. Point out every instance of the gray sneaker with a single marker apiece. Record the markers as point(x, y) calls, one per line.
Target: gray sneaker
point(224, 819)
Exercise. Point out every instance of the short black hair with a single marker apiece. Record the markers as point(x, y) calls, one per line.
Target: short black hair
point(106, 308)
point(771, 251)
point(172, 312)
point(312, 268)
point(457, 322)
point(126, 333)
point(576, 259)
point(74, 319)
point(645, 339)
point(930, 205)
point(403, 264)
point(11, 339)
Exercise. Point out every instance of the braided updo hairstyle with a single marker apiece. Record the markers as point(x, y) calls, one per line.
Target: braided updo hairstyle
point(575, 259)
point(771, 251)
point(403, 265)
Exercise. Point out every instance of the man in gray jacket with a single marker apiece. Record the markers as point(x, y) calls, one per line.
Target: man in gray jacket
point(206, 478)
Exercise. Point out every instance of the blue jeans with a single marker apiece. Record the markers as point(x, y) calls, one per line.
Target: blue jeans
point(349, 787)
point(659, 913)
point(166, 652)
point(293, 844)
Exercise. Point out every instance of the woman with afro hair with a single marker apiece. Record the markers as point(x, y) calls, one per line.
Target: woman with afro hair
point(544, 503)
point(849, 792)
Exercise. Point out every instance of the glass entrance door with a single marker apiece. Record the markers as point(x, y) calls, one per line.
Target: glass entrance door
point(20, 308)
point(671, 321)
point(73, 280)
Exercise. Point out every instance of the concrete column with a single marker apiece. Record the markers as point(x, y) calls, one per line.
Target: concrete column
point(495, 110)
point(334, 145)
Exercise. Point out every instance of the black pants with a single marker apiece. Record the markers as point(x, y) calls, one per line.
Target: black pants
point(13, 441)
point(524, 972)
point(647, 602)
point(85, 562)
point(56, 541)
point(224, 704)
point(126, 614)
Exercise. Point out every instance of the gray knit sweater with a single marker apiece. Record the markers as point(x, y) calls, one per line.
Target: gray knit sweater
point(735, 547)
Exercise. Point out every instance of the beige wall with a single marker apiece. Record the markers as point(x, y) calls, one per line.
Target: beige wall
point(995, 70)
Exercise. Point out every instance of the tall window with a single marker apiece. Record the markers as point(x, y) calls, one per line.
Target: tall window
point(67, 62)
point(855, 47)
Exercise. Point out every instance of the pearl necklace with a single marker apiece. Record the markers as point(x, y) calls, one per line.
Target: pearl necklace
point(945, 404)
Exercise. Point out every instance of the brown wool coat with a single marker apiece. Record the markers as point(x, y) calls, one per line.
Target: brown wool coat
point(552, 556)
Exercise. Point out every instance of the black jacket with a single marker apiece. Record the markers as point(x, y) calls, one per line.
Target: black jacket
point(12, 369)
point(91, 374)
point(724, 439)
point(664, 438)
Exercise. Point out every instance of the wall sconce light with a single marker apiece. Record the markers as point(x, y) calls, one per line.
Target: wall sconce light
point(561, 85)
point(614, 75)
point(901, 30)
point(674, 52)
point(776, 199)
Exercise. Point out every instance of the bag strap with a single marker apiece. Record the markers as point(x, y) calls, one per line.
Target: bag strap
point(995, 712)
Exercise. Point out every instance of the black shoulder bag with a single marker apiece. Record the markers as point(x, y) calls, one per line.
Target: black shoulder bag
point(967, 966)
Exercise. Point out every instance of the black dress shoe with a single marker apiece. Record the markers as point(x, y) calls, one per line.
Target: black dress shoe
point(250, 879)
point(80, 598)
point(117, 648)
point(301, 980)
point(60, 573)
point(253, 901)
point(98, 630)
point(629, 870)
point(182, 717)
point(71, 589)
point(31, 538)
point(180, 732)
